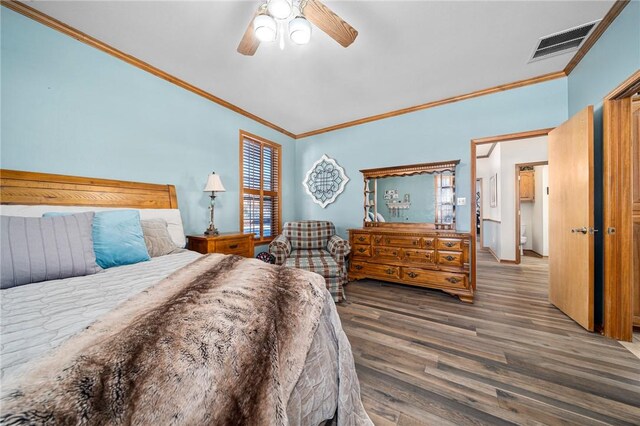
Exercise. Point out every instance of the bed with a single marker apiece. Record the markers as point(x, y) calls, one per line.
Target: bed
point(66, 344)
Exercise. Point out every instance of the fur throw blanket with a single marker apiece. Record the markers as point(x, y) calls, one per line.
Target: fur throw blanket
point(221, 341)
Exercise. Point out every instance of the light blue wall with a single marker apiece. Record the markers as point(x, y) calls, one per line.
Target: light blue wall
point(614, 57)
point(69, 108)
point(435, 134)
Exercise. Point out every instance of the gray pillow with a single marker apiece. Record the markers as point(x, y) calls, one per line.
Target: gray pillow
point(157, 237)
point(37, 249)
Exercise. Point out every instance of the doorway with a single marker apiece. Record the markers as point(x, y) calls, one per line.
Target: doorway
point(496, 163)
point(621, 195)
point(532, 210)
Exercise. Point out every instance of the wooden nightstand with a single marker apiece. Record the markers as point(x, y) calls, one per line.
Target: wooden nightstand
point(225, 243)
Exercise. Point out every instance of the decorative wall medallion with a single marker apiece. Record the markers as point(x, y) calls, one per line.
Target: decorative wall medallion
point(325, 181)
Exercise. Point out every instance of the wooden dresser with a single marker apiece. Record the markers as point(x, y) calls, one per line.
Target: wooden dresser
point(414, 256)
point(225, 243)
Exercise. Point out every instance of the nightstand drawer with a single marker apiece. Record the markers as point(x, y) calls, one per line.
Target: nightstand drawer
point(224, 243)
point(235, 246)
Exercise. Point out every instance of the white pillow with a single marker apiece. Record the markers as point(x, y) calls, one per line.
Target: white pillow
point(172, 216)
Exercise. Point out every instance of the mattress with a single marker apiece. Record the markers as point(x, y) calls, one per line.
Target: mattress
point(37, 317)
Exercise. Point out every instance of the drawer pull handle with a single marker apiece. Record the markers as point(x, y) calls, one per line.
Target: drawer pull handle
point(390, 271)
point(361, 238)
point(233, 246)
point(415, 242)
point(449, 258)
point(358, 267)
point(449, 244)
point(428, 242)
point(361, 250)
point(453, 280)
point(412, 274)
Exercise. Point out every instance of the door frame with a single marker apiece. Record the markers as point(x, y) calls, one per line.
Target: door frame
point(517, 197)
point(617, 210)
point(481, 141)
point(481, 182)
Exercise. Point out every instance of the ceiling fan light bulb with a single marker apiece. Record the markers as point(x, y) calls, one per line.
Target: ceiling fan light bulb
point(300, 30)
point(264, 27)
point(279, 9)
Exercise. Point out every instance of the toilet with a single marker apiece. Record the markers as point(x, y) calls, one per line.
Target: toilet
point(523, 238)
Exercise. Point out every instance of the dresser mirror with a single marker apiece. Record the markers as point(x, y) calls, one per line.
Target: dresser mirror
point(418, 194)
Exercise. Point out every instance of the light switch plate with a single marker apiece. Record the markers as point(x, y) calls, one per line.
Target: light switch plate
point(462, 201)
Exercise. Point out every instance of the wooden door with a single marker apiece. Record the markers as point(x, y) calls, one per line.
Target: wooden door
point(571, 218)
point(635, 140)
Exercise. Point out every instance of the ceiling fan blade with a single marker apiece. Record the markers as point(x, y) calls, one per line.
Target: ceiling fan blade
point(325, 19)
point(249, 43)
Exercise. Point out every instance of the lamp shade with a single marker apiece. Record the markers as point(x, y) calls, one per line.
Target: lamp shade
point(214, 184)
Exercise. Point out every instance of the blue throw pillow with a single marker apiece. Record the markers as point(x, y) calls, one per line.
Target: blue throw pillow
point(117, 238)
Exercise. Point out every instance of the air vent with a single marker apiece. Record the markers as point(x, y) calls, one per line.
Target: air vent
point(562, 42)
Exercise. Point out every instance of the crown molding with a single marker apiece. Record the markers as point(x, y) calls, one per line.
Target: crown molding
point(51, 22)
point(608, 19)
point(477, 93)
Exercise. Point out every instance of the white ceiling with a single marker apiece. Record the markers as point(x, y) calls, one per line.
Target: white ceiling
point(406, 53)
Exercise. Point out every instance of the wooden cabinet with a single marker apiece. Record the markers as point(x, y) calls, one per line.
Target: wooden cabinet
point(413, 256)
point(527, 186)
point(224, 243)
point(635, 140)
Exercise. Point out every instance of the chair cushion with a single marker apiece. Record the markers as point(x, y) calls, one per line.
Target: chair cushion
point(323, 265)
point(310, 253)
point(308, 234)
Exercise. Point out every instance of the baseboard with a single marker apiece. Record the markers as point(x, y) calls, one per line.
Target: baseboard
point(498, 259)
point(533, 252)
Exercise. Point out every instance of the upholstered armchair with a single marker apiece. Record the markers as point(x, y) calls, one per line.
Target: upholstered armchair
point(313, 245)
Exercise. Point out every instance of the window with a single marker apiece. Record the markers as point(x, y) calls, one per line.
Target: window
point(259, 187)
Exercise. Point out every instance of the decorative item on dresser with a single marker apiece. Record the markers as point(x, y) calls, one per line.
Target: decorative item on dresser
point(225, 243)
point(427, 252)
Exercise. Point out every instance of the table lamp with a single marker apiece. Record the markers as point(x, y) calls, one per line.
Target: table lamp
point(214, 184)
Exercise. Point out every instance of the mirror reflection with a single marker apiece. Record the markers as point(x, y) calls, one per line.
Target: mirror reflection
point(416, 194)
point(406, 198)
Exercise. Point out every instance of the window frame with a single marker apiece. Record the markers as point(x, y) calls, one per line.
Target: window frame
point(261, 192)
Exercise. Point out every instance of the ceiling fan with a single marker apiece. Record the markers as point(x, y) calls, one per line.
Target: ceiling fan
point(274, 17)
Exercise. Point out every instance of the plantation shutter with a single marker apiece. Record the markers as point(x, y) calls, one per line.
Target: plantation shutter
point(260, 188)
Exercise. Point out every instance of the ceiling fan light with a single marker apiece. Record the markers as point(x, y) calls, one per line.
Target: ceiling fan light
point(300, 30)
point(279, 9)
point(264, 27)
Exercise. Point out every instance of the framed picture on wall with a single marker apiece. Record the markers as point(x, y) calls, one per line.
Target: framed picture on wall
point(493, 190)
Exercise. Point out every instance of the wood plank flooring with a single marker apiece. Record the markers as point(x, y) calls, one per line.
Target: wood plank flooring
point(510, 358)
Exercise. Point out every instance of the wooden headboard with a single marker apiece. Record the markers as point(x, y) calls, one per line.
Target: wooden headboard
point(32, 188)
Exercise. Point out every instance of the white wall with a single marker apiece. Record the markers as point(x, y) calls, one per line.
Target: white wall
point(485, 168)
point(540, 234)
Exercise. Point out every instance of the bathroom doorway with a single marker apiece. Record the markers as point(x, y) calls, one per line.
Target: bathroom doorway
point(532, 210)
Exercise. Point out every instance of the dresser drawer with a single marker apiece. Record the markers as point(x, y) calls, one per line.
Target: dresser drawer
point(387, 252)
point(233, 246)
point(376, 270)
point(419, 256)
point(361, 238)
point(431, 278)
point(449, 244)
point(398, 241)
point(361, 250)
point(428, 242)
point(450, 258)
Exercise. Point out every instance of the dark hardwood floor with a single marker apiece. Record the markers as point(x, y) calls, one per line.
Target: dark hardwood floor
point(423, 357)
